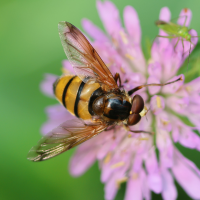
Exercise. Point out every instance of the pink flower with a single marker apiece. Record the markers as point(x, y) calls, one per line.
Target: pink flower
point(124, 156)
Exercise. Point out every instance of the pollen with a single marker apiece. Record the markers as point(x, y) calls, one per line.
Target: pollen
point(65, 71)
point(143, 112)
point(115, 42)
point(116, 165)
point(126, 128)
point(108, 65)
point(122, 70)
point(107, 158)
point(165, 123)
point(185, 10)
point(131, 112)
point(181, 78)
point(120, 181)
point(188, 88)
point(158, 102)
point(129, 56)
point(129, 135)
point(145, 138)
point(123, 36)
point(134, 176)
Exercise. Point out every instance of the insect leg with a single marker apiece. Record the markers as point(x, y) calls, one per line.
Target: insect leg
point(176, 44)
point(174, 19)
point(137, 131)
point(141, 131)
point(110, 128)
point(130, 92)
point(170, 37)
point(183, 45)
point(185, 20)
point(189, 56)
point(117, 76)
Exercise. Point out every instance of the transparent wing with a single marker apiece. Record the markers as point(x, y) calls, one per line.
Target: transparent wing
point(66, 136)
point(84, 58)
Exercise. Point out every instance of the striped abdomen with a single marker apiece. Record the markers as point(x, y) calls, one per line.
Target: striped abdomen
point(74, 94)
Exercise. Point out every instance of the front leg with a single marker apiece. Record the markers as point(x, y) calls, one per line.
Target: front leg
point(117, 76)
point(137, 131)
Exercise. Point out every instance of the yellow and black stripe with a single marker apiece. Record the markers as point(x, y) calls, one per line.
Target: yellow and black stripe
point(75, 94)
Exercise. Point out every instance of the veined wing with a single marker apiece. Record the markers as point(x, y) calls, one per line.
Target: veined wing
point(84, 58)
point(66, 136)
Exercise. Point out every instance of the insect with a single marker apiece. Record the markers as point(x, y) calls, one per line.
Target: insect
point(93, 96)
point(176, 31)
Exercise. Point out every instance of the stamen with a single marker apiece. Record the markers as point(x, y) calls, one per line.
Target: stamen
point(185, 10)
point(134, 176)
point(115, 42)
point(122, 70)
point(144, 138)
point(65, 71)
point(107, 158)
point(158, 102)
point(143, 112)
point(188, 88)
point(126, 128)
point(109, 64)
point(123, 36)
point(129, 135)
point(116, 165)
point(164, 122)
point(120, 181)
point(129, 56)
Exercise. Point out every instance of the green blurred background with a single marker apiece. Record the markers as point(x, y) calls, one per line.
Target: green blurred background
point(29, 47)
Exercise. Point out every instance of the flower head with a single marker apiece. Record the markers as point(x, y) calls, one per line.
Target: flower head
point(125, 156)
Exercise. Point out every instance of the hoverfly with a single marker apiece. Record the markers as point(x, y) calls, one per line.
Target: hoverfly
point(93, 96)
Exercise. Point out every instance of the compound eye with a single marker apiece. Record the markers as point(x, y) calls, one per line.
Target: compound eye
point(138, 104)
point(133, 119)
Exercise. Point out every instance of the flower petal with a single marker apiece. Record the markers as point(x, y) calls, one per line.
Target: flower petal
point(81, 161)
point(169, 191)
point(47, 84)
point(113, 183)
point(155, 182)
point(175, 134)
point(157, 104)
point(185, 17)
point(155, 69)
point(153, 89)
point(154, 176)
point(94, 31)
point(194, 38)
point(103, 151)
point(132, 23)
point(110, 17)
point(188, 138)
point(173, 87)
point(193, 86)
point(186, 175)
point(56, 114)
point(151, 162)
point(165, 15)
point(178, 104)
point(166, 156)
point(134, 188)
point(67, 67)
